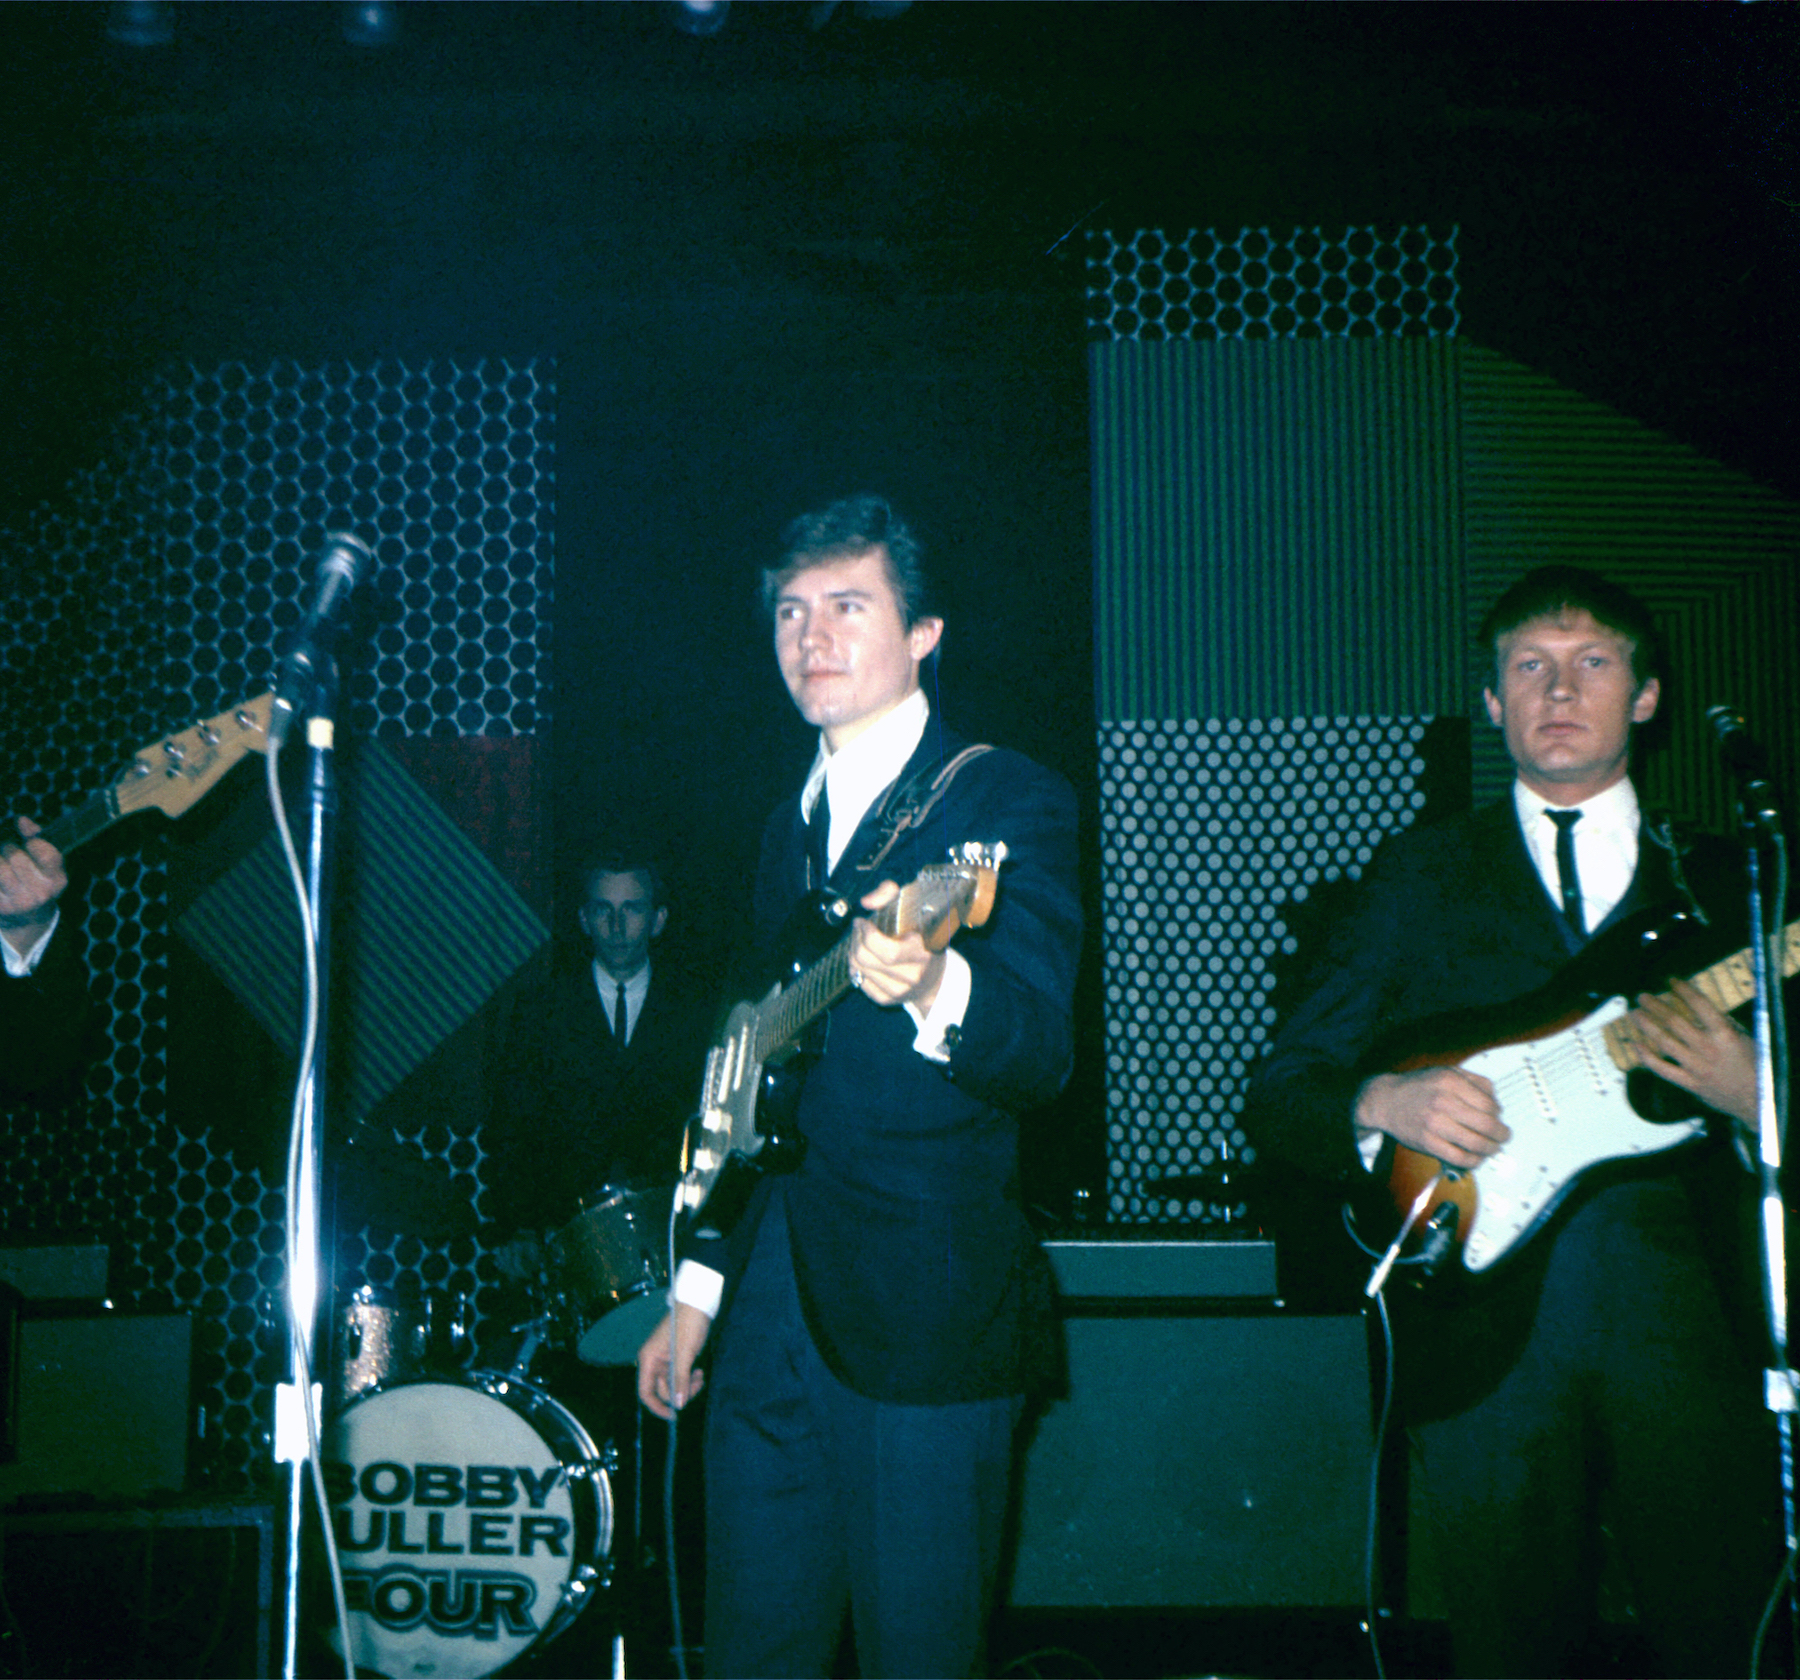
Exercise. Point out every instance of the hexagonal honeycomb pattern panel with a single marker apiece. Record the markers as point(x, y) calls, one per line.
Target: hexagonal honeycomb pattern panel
point(1364, 282)
point(155, 591)
point(1208, 828)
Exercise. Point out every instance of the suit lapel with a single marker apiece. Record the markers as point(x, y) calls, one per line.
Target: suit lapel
point(1515, 880)
point(1651, 883)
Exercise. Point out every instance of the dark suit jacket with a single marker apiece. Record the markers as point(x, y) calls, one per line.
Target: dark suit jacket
point(576, 1111)
point(919, 1277)
point(1456, 917)
point(43, 1019)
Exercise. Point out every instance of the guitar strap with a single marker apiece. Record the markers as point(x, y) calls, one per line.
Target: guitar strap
point(1663, 834)
point(909, 803)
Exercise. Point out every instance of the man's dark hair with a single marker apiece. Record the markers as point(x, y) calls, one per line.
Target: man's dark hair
point(845, 529)
point(1549, 591)
point(625, 860)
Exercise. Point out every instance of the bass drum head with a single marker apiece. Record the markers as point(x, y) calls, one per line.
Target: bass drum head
point(472, 1519)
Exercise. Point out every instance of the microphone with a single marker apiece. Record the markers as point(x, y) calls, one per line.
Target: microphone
point(1744, 758)
point(342, 562)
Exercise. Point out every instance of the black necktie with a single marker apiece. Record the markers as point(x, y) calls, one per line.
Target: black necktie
point(621, 1016)
point(1566, 876)
point(818, 835)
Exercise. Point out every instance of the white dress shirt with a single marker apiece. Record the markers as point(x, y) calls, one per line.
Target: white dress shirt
point(637, 988)
point(17, 965)
point(1606, 845)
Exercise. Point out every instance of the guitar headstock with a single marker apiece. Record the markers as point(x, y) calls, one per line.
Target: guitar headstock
point(171, 774)
point(948, 897)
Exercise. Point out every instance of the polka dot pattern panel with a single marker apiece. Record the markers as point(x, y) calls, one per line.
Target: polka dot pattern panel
point(1300, 283)
point(1209, 827)
point(204, 525)
point(445, 470)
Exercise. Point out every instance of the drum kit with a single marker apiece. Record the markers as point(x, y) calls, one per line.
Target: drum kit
point(473, 1512)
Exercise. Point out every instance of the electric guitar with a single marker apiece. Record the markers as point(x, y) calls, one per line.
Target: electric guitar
point(1568, 1092)
point(168, 775)
point(725, 1138)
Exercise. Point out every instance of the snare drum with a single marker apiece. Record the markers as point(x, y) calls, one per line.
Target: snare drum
point(473, 1520)
point(609, 1272)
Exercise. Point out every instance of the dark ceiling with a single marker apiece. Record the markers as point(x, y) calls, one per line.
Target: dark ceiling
point(500, 173)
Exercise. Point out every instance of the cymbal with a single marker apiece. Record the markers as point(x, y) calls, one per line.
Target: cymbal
point(1230, 1182)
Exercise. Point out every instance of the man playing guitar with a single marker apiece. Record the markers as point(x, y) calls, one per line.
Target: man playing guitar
point(1607, 1372)
point(878, 1314)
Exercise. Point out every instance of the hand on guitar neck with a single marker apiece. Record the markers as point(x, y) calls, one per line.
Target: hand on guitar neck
point(1453, 1115)
point(168, 775)
point(893, 970)
point(1683, 1037)
point(32, 878)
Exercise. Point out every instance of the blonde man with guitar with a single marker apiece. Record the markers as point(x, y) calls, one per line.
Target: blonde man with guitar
point(878, 1313)
point(1588, 1353)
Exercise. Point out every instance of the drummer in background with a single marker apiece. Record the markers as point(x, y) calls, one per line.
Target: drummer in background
point(602, 1066)
point(595, 1093)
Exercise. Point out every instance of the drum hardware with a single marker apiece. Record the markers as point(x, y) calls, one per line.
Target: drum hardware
point(534, 1334)
point(587, 1579)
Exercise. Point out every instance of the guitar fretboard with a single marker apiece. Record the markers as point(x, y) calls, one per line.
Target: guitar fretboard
point(782, 1020)
point(76, 827)
point(1725, 985)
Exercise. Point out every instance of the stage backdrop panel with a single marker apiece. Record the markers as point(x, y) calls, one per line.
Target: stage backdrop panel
point(154, 592)
point(1308, 486)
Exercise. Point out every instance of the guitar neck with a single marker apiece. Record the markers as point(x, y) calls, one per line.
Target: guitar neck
point(1725, 985)
point(1733, 981)
point(77, 827)
point(781, 1021)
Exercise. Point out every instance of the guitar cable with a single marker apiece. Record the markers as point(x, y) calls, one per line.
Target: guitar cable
point(1371, 1534)
point(676, 1635)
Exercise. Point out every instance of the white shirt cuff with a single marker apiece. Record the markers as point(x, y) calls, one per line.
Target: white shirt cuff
point(697, 1286)
point(947, 1009)
point(1368, 1148)
point(19, 966)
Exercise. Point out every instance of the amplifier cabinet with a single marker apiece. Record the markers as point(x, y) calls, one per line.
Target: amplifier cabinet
point(1199, 1461)
point(100, 1404)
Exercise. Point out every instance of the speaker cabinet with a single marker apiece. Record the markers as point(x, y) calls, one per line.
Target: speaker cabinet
point(101, 1404)
point(1200, 1461)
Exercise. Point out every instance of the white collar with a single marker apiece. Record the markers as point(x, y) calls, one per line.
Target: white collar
point(636, 987)
point(1613, 810)
point(859, 771)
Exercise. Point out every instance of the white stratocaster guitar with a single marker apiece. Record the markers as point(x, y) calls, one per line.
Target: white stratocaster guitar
point(1563, 1093)
point(725, 1137)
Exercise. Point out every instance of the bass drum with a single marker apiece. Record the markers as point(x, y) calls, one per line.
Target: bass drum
point(473, 1519)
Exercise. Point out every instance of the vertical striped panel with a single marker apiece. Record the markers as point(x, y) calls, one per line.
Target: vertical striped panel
point(1554, 476)
point(429, 930)
point(1278, 528)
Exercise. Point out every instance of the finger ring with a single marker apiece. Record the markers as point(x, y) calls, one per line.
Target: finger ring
point(856, 978)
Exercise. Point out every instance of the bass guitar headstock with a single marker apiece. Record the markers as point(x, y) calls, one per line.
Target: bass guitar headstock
point(176, 772)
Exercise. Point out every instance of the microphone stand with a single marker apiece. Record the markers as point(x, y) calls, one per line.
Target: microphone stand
point(1760, 826)
point(308, 1280)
